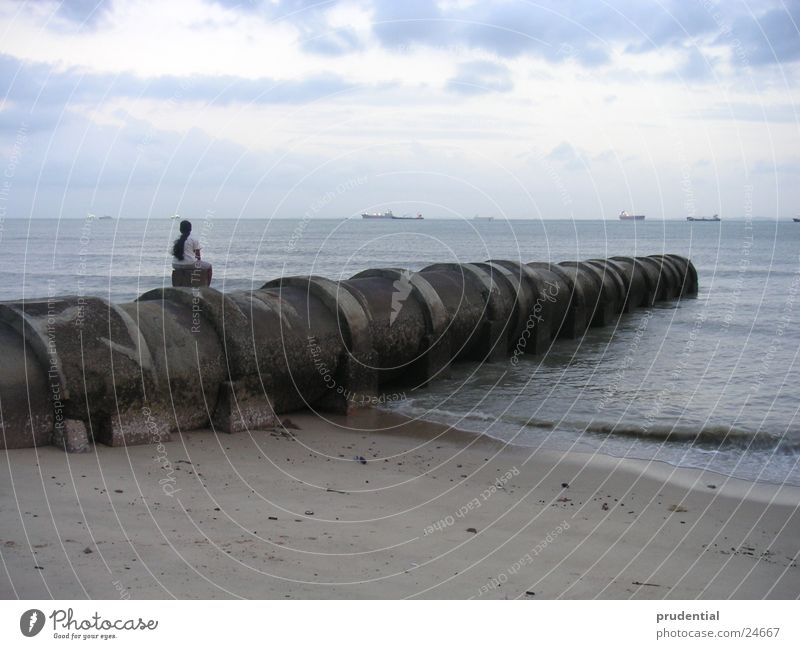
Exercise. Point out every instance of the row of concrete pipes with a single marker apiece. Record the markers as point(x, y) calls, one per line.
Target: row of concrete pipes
point(80, 370)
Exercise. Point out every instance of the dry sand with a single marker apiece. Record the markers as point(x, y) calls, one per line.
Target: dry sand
point(433, 513)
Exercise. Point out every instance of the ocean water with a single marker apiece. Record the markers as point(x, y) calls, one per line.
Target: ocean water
point(710, 382)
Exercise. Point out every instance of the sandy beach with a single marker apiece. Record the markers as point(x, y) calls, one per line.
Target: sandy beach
point(376, 506)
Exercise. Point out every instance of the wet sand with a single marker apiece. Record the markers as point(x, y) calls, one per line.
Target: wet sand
point(429, 512)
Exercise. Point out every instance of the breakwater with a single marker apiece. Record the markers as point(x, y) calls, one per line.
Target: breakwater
point(81, 370)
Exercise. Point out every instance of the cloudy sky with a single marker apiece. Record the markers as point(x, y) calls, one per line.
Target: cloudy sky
point(286, 108)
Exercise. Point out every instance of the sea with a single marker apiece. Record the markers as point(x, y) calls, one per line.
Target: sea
point(710, 382)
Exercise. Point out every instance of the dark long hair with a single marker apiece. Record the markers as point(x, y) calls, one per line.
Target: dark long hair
point(177, 248)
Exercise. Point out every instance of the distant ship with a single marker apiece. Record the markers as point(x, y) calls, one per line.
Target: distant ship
point(378, 215)
point(389, 215)
point(796, 219)
point(704, 218)
point(105, 217)
point(175, 216)
point(482, 218)
point(624, 216)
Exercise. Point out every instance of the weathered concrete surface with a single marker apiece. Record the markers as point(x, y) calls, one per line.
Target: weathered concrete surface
point(687, 273)
point(633, 284)
point(546, 314)
point(191, 277)
point(599, 307)
point(188, 369)
point(409, 324)
point(474, 304)
point(240, 402)
point(80, 370)
point(333, 359)
point(26, 406)
point(561, 286)
point(100, 371)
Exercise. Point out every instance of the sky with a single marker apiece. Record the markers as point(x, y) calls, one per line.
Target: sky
point(299, 109)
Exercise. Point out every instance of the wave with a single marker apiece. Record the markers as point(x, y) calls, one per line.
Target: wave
point(707, 438)
point(713, 437)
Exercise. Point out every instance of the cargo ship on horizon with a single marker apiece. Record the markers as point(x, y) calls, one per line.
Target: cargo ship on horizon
point(389, 215)
point(624, 216)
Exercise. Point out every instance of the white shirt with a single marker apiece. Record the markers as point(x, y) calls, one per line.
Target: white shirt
point(189, 247)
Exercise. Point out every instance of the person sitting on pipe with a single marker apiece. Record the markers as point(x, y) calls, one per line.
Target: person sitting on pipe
point(186, 252)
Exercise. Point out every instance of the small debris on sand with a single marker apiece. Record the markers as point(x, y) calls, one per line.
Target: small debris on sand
point(677, 508)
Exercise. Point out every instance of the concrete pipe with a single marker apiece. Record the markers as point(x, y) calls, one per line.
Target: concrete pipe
point(473, 302)
point(602, 299)
point(518, 300)
point(104, 387)
point(562, 287)
point(613, 285)
point(686, 273)
point(409, 324)
point(546, 314)
point(648, 271)
point(241, 401)
point(188, 369)
point(27, 399)
point(670, 274)
point(663, 277)
point(325, 348)
point(80, 370)
point(634, 284)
